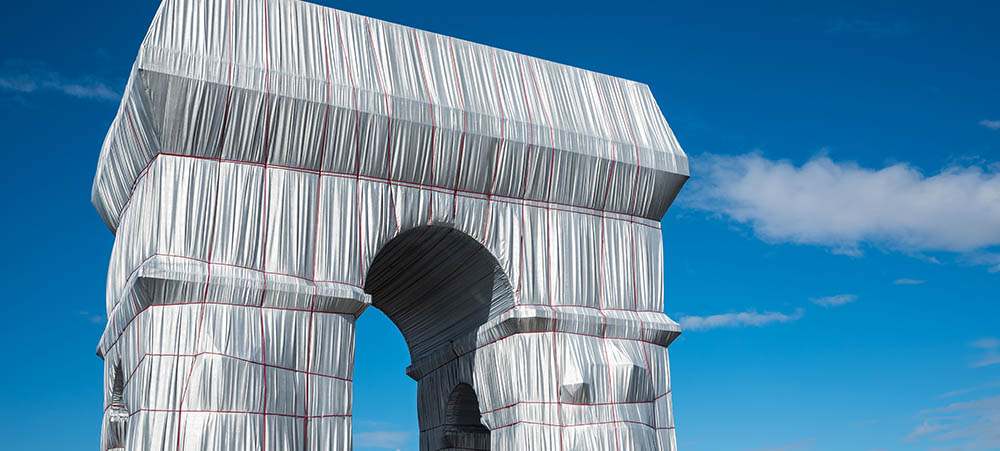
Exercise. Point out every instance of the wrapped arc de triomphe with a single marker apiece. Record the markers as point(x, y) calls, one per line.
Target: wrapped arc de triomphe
point(276, 167)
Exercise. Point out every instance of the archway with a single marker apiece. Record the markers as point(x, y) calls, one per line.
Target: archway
point(437, 284)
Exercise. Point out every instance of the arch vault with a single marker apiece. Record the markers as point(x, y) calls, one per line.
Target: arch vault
point(276, 167)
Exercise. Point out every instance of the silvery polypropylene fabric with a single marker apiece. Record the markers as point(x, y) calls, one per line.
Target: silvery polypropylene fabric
point(277, 167)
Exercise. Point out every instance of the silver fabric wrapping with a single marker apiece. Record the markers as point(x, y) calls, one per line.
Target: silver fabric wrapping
point(276, 167)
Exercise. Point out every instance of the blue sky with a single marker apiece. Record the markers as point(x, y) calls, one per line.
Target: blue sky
point(835, 257)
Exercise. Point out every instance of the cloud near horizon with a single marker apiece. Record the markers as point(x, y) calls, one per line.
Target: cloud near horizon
point(381, 439)
point(796, 445)
point(743, 319)
point(843, 206)
point(26, 77)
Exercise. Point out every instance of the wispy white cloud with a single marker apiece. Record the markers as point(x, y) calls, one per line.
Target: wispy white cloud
point(963, 391)
point(908, 282)
point(834, 301)
point(986, 343)
point(991, 358)
point(992, 125)
point(843, 206)
point(966, 425)
point(26, 77)
point(95, 319)
point(988, 259)
point(381, 439)
point(743, 319)
point(991, 403)
point(923, 429)
point(991, 351)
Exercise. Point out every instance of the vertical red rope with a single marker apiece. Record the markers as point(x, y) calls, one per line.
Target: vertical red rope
point(600, 261)
point(430, 104)
point(319, 192)
point(635, 194)
point(524, 172)
point(265, 193)
point(461, 146)
point(607, 190)
point(215, 209)
point(388, 126)
point(357, 144)
point(548, 251)
point(499, 151)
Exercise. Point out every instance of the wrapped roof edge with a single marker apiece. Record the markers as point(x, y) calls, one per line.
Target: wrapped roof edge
point(411, 83)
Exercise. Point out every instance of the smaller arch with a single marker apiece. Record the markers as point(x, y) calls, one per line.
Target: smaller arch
point(118, 388)
point(117, 415)
point(464, 427)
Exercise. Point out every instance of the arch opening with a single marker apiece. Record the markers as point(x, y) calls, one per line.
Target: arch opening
point(436, 284)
